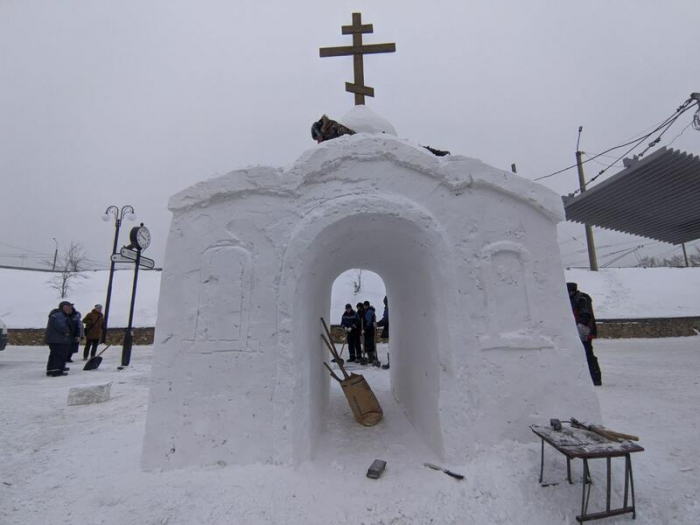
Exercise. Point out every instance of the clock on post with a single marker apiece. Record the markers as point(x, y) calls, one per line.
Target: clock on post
point(140, 237)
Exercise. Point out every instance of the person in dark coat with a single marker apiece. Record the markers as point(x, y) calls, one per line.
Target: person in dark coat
point(58, 336)
point(76, 328)
point(582, 306)
point(370, 325)
point(351, 324)
point(94, 321)
point(384, 321)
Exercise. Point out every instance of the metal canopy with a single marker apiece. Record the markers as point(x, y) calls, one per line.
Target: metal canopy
point(656, 197)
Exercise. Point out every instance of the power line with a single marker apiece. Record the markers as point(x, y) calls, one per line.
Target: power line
point(24, 249)
point(667, 123)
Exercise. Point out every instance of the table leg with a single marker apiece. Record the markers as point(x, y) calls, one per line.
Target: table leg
point(542, 463)
point(568, 470)
point(607, 488)
point(586, 492)
point(627, 479)
point(634, 508)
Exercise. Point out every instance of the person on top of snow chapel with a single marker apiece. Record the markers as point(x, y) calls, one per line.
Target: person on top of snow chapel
point(58, 337)
point(582, 306)
point(370, 325)
point(351, 324)
point(94, 321)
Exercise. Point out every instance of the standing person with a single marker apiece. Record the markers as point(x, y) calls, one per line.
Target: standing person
point(58, 336)
point(582, 306)
point(384, 321)
point(361, 316)
point(94, 321)
point(76, 328)
point(370, 322)
point(351, 324)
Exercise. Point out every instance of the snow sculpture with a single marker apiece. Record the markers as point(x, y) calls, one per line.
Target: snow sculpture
point(483, 341)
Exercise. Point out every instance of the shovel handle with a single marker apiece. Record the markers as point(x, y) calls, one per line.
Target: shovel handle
point(453, 474)
point(333, 374)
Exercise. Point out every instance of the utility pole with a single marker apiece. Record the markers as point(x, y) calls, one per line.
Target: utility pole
point(685, 255)
point(592, 259)
point(55, 255)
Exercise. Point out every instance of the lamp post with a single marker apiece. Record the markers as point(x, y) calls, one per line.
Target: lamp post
point(118, 215)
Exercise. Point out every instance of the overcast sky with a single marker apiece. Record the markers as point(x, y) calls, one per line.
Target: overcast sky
point(129, 102)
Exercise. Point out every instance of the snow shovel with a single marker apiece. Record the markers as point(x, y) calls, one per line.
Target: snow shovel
point(94, 362)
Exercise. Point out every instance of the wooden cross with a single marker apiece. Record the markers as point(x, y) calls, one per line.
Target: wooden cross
point(357, 50)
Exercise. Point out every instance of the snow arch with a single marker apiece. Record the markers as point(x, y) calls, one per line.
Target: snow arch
point(403, 243)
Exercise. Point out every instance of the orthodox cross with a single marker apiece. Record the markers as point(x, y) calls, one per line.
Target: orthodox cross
point(357, 50)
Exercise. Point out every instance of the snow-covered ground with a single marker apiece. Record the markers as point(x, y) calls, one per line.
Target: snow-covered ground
point(618, 293)
point(80, 464)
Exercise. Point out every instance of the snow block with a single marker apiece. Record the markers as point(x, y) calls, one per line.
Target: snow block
point(86, 395)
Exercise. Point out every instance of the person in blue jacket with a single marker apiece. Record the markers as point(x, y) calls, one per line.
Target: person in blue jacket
point(351, 324)
point(58, 336)
point(370, 328)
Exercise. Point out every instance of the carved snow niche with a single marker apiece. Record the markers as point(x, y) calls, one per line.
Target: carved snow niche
point(482, 339)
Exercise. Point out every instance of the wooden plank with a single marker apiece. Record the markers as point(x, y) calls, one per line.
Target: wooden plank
point(336, 51)
point(363, 90)
point(364, 28)
point(353, 50)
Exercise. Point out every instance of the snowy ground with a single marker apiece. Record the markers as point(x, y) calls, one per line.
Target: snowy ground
point(80, 464)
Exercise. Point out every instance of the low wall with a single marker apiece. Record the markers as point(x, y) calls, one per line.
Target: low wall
point(645, 328)
point(607, 329)
point(115, 336)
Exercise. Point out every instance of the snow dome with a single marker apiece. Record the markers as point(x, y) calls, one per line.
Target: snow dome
point(483, 342)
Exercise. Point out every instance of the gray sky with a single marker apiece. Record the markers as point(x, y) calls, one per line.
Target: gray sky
point(129, 102)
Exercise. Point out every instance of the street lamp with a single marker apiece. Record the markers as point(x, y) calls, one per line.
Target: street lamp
point(113, 212)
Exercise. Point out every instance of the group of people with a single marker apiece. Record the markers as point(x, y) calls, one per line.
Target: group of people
point(65, 329)
point(361, 329)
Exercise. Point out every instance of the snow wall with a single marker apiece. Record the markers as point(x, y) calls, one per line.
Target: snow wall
point(482, 338)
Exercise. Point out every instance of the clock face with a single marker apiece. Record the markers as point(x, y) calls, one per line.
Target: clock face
point(143, 237)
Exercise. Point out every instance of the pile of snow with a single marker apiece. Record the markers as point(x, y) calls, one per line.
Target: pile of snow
point(80, 464)
point(618, 293)
point(363, 120)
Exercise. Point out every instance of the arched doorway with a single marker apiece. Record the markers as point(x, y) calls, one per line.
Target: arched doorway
point(404, 249)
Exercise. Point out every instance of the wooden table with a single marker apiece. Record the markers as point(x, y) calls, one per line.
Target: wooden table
point(584, 444)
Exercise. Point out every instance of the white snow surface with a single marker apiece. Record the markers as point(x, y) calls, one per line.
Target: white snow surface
point(618, 293)
point(81, 464)
point(363, 120)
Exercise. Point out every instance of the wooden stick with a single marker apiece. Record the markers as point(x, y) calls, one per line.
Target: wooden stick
point(333, 375)
point(621, 435)
point(334, 353)
point(325, 327)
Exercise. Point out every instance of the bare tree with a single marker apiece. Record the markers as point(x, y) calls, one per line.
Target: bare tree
point(676, 261)
point(356, 280)
point(69, 265)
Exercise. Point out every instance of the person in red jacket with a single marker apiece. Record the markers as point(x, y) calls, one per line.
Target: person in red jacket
point(582, 306)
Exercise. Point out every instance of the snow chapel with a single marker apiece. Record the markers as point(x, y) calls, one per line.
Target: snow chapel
point(483, 341)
